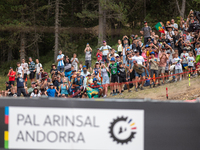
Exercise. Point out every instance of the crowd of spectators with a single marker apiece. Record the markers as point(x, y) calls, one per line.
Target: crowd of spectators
point(145, 59)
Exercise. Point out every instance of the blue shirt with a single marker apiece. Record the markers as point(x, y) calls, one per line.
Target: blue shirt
point(20, 82)
point(60, 63)
point(31, 66)
point(51, 92)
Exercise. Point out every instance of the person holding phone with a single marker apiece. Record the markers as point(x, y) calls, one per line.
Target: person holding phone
point(88, 57)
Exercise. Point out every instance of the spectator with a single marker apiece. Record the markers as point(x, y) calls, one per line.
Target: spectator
point(84, 74)
point(99, 55)
point(20, 85)
point(63, 89)
point(35, 93)
point(11, 74)
point(31, 66)
point(60, 61)
point(88, 57)
point(51, 91)
point(154, 68)
point(20, 69)
point(184, 57)
point(54, 70)
point(146, 32)
point(30, 90)
point(38, 67)
point(97, 86)
point(105, 81)
point(105, 49)
point(74, 62)
point(174, 25)
point(67, 67)
point(191, 62)
point(25, 69)
point(119, 49)
point(178, 67)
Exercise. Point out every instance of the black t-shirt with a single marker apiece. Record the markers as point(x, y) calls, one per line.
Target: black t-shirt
point(11, 94)
point(56, 71)
point(122, 72)
point(8, 87)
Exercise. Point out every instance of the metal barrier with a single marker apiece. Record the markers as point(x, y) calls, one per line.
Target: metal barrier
point(93, 124)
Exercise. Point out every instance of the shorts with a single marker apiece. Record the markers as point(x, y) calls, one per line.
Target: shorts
point(104, 59)
point(114, 78)
point(106, 80)
point(32, 75)
point(190, 66)
point(138, 75)
point(25, 76)
point(178, 71)
point(121, 80)
point(37, 76)
point(152, 72)
point(132, 75)
point(11, 82)
point(161, 70)
point(166, 71)
point(120, 54)
point(88, 63)
point(124, 59)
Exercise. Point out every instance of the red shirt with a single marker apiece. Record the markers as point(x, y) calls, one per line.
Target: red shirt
point(99, 56)
point(12, 78)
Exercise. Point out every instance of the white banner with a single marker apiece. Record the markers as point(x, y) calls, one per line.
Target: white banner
point(75, 128)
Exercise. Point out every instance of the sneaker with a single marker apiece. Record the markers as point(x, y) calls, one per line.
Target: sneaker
point(141, 88)
point(136, 90)
point(120, 94)
point(129, 91)
point(122, 91)
point(154, 85)
point(150, 85)
point(113, 94)
point(158, 84)
point(104, 96)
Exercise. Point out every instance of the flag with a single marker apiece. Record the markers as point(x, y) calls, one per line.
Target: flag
point(159, 27)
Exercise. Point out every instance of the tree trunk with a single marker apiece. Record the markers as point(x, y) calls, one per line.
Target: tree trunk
point(182, 10)
point(22, 47)
point(101, 25)
point(56, 30)
point(104, 25)
point(10, 54)
point(144, 9)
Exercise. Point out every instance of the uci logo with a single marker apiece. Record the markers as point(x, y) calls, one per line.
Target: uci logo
point(122, 130)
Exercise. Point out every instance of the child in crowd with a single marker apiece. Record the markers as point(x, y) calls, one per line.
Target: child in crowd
point(154, 68)
point(99, 55)
point(191, 62)
point(178, 67)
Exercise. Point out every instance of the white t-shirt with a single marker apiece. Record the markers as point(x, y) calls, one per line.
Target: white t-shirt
point(25, 67)
point(74, 63)
point(188, 37)
point(20, 69)
point(191, 61)
point(105, 49)
point(85, 79)
point(198, 51)
point(178, 65)
point(38, 67)
point(35, 95)
point(183, 57)
point(139, 59)
point(168, 36)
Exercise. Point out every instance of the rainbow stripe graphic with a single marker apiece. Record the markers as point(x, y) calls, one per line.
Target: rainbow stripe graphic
point(6, 133)
point(132, 125)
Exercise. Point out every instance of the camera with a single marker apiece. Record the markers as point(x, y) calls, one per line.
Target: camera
point(195, 26)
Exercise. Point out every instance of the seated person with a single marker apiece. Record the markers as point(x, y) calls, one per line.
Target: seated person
point(97, 86)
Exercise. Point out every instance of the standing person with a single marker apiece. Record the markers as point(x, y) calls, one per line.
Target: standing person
point(11, 74)
point(38, 67)
point(99, 55)
point(60, 61)
point(84, 75)
point(88, 57)
point(146, 32)
point(25, 68)
point(75, 62)
point(184, 57)
point(174, 25)
point(122, 78)
point(191, 62)
point(139, 72)
point(105, 48)
point(20, 69)
point(119, 49)
point(114, 78)
point(178, 67)
point(154, 68)
point(31, 66)
point(163, 57)
point(104, 73)
point(20, 85)
point(197, 51)
point(68, 67)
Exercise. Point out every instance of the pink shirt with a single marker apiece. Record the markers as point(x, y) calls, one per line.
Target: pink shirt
point(144, 56)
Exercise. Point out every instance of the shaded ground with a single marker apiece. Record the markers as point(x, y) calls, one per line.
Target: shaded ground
point(176, 91)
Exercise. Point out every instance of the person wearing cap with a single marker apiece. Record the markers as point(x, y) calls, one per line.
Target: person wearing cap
point(97, 86)
point(105, 81)
point(20, 85)
point(96, 69)
point(38, 67)
point(35, 93)
point(112, 54)
point(163, 57)
point(88, 57)
point(31, 66)
point(11, 74)
point(99, 55)
point(138, 58)
point(114, 77)
point(30, 90)
point(140, 72)
point(105, 50)
point(84, 75)
point(51, 92)
point(146, 32)
point(89, 79)
point(154, 68)
point(184, 57)
point(60, 60)
point(121, 72)
point(75, 62)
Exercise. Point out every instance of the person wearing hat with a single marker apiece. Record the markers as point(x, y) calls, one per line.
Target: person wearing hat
point(20, 85)
point(99, 55)
point(154, 68)
point(114, 78)
point(105, 50)
point(51, 92)
point(54, 70)
point(11, 74)
point(105, 81)
point(35, 93)
point(84, 75)
point(121, 72)
point(88, 57)
point(184, 56)
point(111, 54)
point(89, 79)
point(60, 60)
point(146, 32)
